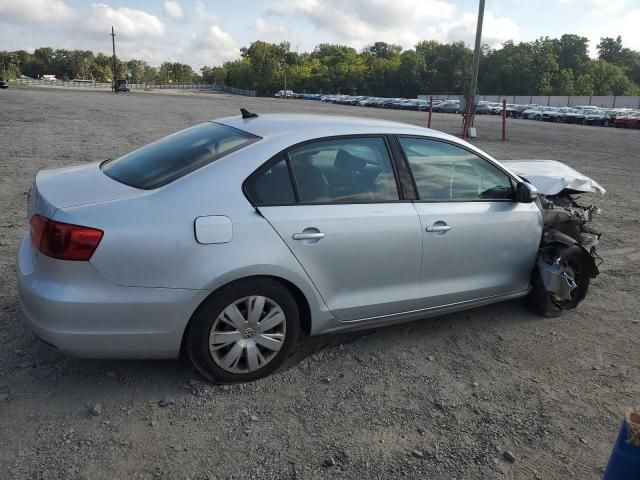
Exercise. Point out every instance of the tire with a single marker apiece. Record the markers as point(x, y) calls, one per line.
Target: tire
point(543, 302)
point(217, 364)
point(605, 123)
point(538, 117)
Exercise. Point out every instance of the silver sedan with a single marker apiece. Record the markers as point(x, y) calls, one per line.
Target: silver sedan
point(230, 239)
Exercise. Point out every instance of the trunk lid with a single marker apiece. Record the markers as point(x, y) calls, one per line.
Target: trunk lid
point(65, 187)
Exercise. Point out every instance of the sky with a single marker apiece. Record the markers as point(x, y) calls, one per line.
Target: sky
point(209, 32)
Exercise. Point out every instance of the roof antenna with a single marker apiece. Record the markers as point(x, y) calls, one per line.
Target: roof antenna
point(247, 114)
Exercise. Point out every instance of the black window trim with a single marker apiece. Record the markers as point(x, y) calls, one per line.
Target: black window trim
point(284, 153)
point(514, 181)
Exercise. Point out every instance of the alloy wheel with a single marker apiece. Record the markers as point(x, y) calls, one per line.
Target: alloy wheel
point(247, 334)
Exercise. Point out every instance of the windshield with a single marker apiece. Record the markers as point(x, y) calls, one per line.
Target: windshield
point(172, 157)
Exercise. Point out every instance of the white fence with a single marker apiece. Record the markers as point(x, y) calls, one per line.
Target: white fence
point(555, 101)
point(139, 86)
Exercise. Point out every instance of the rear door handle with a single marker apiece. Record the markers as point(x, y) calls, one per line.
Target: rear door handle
point(308, 236)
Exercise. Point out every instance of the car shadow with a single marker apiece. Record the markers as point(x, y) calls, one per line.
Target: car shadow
point(49, 371)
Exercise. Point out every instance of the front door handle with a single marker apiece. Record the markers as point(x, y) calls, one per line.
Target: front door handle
point(308, 236)
point(438, 228)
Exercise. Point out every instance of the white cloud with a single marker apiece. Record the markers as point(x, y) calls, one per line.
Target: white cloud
point(360, 22)
point(127, 22)
point(213, 46)
point(599, 7)
point(45, 11)
point(626, 26)
point(173, 9)
point(264, 28)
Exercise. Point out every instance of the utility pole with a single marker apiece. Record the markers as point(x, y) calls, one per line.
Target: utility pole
point(476, 62)
point(115, 75)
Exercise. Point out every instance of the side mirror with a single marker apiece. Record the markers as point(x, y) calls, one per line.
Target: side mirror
point(526, 193)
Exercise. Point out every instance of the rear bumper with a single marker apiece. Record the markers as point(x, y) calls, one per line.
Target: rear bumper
point(72, 307)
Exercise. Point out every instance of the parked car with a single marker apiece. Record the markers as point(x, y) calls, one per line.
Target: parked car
point(600, 118)
point(202, 240)
point(631, 120)
point(284, 94)
point(515, 111)
point(482, 109)
point(579, 113)
point(3, 84)
point(534, 113)
point(122, 85)
point(448, 106)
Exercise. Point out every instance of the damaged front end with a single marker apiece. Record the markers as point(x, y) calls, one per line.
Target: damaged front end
point(566, 226)
point(567, 257)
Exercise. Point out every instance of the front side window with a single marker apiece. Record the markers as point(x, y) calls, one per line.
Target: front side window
point(347, 170)
point(445, 172)
point(172, 157)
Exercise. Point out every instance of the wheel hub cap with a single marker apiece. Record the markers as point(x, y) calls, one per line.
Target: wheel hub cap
point(247, 334)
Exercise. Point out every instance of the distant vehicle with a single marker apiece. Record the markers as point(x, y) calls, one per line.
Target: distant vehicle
point(482, 109)
point(4, 84)
point(599, 117)
point(515, 111)
point(579, 114)
point(534, 113)
point(284, 94)
point(448, 106)
point(49, 78)
point(631, 120)
point(555, 115)
point(122, 86)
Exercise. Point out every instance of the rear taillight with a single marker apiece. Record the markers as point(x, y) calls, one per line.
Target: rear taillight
point(63, 240)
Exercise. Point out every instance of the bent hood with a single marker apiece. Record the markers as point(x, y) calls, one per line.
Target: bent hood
point(551, 177)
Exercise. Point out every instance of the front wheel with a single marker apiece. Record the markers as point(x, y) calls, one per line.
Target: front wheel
point(244, 331)
point(576, 268)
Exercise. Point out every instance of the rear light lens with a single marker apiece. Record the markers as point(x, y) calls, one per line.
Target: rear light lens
point(64, 241)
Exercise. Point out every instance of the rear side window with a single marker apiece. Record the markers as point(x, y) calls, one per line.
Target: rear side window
point(271, 186)
point(172, 157)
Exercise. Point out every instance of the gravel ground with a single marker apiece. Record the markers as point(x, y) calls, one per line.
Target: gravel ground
point(495, 392)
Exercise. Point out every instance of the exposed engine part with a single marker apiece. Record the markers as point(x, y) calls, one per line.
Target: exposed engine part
point(565, 225)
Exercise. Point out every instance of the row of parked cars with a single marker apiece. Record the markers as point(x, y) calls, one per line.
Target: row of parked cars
point(585, 115)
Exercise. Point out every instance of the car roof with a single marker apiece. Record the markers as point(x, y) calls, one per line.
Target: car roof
point(316, 126)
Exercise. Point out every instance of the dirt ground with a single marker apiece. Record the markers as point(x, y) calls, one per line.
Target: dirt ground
point(441, 398)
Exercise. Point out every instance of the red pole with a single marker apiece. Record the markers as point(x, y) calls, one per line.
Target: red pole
point(504, 119)
point(430, 111)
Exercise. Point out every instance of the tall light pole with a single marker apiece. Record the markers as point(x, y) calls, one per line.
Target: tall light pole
point(476, 60)
point(115, 75)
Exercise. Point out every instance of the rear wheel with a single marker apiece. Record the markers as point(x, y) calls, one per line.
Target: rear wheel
point(244, 331)
point(548, 304)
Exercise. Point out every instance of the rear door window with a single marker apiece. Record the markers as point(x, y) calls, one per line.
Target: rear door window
point(344, 170)
point(172, 157)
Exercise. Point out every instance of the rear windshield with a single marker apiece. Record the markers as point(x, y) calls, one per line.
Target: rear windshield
point(172, 157)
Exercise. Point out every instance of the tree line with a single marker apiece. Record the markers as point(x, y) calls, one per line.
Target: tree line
point(546, 66)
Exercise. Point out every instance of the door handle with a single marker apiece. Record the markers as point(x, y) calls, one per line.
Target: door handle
point(438, 228)
point(308, 236)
